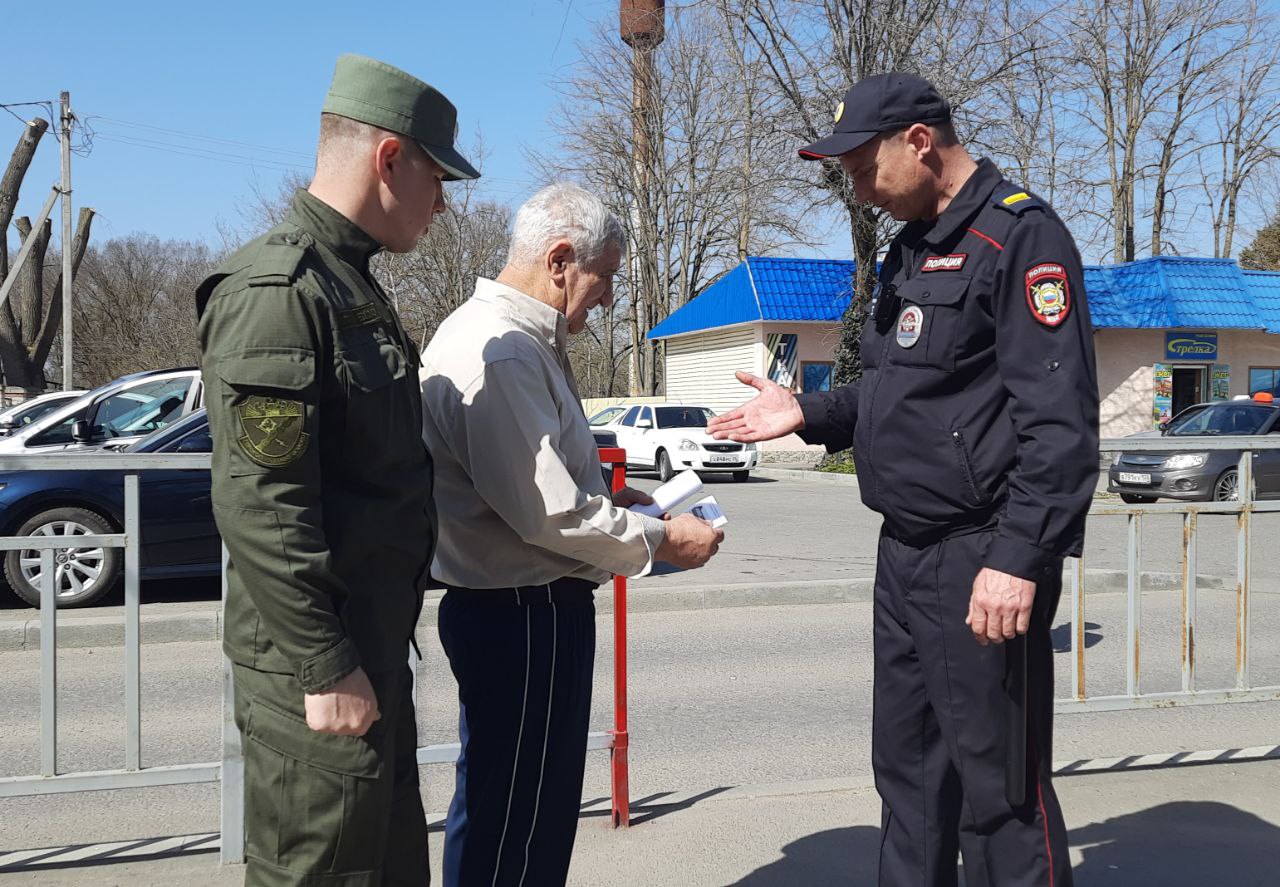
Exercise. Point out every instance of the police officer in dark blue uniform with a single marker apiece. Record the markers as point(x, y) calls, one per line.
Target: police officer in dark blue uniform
point(975, 434)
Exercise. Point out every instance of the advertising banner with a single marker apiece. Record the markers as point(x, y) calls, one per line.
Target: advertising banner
point(1163, 405)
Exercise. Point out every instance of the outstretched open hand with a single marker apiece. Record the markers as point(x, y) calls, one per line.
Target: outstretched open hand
point(772, 413)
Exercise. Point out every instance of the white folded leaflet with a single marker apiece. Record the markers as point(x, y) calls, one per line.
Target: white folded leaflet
point(683, 486)
point(708, 509)
point(679, 489)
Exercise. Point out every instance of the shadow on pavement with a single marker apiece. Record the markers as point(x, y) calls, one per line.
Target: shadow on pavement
point(651, 807)
point(1180, 844)
point(844, 856)
point(1061, 637)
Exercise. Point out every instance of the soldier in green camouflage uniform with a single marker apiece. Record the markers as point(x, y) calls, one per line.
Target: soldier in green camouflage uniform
point(322, 492)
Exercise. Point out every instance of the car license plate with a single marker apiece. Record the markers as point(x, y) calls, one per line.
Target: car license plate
point(1129, 477)
point(723, 458)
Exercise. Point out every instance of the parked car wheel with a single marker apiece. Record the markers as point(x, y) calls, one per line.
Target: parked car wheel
point(741, 476)
point(663, 463)
point(81, 575)
point(1227, 489)
point(1131, 499)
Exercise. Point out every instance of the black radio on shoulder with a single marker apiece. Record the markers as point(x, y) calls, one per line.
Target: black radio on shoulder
point(885, 303)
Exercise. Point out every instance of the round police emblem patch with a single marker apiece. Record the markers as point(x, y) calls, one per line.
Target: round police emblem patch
point(910, 326)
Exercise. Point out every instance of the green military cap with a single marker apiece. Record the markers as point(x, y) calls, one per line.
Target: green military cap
point(375, 93)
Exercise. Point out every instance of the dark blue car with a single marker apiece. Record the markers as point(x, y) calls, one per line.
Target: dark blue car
point(178, 534)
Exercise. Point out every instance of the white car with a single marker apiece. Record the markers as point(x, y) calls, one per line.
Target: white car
point(111, 417)
point(30, 410)
point(670, 437)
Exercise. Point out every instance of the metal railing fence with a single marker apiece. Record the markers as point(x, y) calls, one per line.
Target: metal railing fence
point(1243, 509)
point(230, 769)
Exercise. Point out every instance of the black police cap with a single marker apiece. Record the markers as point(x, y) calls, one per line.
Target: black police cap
point(883, 103)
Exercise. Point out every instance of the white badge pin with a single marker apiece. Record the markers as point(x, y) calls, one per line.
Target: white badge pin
point(910, 326)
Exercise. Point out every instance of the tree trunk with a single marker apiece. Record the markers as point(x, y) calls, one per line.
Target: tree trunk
point(12, 183)
point(42, 342)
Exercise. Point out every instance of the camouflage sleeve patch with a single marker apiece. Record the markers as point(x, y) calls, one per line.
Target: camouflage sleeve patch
point(271, 432)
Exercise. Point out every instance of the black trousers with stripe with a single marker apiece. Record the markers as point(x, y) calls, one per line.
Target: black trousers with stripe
point(939, 741)
point(523, 659)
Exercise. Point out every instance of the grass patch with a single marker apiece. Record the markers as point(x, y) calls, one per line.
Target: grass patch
point(837, 463)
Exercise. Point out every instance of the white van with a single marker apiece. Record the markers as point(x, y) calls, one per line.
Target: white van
point(113, 416)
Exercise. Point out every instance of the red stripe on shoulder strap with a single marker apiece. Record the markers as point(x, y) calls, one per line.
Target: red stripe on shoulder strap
point(986, 238)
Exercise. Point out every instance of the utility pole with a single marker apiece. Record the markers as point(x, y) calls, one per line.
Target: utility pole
point(642, 26)
point(67, 343)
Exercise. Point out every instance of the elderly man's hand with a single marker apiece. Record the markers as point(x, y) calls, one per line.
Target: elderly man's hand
point(1000, 606)
point(772, 413)
point(690, 542)
point(627, 496)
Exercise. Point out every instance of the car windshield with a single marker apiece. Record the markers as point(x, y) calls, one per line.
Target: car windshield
point(20, 416)
point(683, 417)
point(155, 442)
point(144, 408)
point(605, 416)
point(1226, 418)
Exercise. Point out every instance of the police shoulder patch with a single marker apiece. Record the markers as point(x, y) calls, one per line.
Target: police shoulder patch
point(1048, 293)
point(271, 432)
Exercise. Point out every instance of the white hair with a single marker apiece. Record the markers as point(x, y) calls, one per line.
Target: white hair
point(563, 211)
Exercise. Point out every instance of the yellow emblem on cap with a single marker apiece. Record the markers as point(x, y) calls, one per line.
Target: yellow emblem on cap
point(1016, 198)
point(839, 111)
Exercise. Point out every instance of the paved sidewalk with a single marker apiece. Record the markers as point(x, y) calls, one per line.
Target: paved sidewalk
point(1185, 827)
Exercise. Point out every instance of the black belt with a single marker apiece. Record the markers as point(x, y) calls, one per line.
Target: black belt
point(982, 524)
point(558, 591)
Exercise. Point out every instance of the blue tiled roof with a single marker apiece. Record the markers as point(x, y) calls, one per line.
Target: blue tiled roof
point(1264, 286)
point(1166, 292)
point(767, 289)
point(1171, 292)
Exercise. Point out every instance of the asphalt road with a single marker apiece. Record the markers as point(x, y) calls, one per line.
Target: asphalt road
point(719, 698)
point(786, 530)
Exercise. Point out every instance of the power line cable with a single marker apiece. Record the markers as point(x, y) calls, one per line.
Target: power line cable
point(187, 151)
point(203, 138)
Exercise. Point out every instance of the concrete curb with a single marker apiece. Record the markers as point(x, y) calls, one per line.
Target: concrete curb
point(17, 635)
point(806, 474)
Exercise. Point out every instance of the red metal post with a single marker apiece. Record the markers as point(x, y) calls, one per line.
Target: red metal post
point(617, 460)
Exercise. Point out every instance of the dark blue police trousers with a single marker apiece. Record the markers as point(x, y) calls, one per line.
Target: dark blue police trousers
point(939, 735)
point(523, 659)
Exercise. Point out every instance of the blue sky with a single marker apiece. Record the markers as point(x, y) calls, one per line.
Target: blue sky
point(195, 103)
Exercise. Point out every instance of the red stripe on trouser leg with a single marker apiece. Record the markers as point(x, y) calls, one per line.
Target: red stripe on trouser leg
point(1048, 848)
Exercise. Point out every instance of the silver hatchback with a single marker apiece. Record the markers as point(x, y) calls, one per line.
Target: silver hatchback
point(1208, 475)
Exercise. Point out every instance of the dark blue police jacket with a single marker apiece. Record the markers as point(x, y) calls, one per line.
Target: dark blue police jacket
point(978, 404)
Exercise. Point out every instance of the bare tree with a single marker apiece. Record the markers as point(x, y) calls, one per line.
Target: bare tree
point(813, 51)
point(1246, 118)
point(135, 295)
point(1148, 73)
point(31, 318)
point(467, 241)
point(712, 191)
